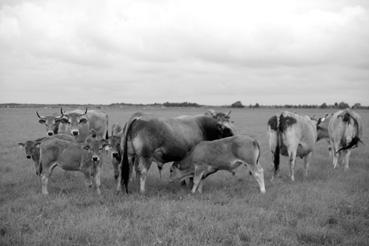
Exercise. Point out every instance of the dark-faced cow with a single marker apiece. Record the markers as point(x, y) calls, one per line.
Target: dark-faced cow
point(162, 140)
point(208, 157)
point(345, 133)
point(32, 149)
point(71, 156)
point(115, 148)
point(292, 135)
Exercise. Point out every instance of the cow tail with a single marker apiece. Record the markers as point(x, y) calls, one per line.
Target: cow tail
point(276, 154)
point(107, 128)
point(125, 168)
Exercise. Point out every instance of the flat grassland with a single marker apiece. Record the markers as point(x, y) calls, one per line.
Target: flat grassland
point(329, 207)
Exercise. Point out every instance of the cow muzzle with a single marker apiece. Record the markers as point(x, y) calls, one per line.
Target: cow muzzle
point(75, 132)
point(28, 157)
point(95, 158)
point(50, 133)
point(115, 155)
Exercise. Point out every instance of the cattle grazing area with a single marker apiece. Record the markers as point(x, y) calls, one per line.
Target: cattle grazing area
point(328, 207)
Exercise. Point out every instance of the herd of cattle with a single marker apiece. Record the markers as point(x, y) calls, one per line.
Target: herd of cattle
point(197, 146)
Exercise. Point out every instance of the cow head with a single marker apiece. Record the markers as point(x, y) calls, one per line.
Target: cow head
point(95, 147)
point(178, 172)
point(75, 120)
point(322, 127)
point(224, 122)
point(32, 150)
point(51, 122)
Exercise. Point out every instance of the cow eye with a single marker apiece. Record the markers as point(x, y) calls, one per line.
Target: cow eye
point(83, 120)
point(42, 121)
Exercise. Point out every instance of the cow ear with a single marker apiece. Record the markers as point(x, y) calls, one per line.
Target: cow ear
point(210, 113)
point(21, 145)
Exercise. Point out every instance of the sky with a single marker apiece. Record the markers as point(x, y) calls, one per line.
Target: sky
point(210, 52)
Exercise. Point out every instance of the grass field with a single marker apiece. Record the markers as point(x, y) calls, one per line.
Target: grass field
point(330, 207)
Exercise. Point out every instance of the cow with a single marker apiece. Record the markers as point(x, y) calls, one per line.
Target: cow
point(208, 157)
point(148, 138)
point(345, 133)
point(77, 123)
point(72, 156)
point(32, 149)
point(51, 123)
point(115, 149)
point(291, 135)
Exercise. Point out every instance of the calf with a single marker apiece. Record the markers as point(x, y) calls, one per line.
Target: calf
point(292, 135)
point(227, 154)
point(32, 149)
point(71, 156)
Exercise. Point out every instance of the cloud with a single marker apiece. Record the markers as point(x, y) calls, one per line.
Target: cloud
point(205, 51)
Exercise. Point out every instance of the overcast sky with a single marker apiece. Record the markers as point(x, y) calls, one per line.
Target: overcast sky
point(210, 52)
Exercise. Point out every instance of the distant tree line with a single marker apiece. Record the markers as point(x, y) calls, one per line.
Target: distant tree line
point(237, 104)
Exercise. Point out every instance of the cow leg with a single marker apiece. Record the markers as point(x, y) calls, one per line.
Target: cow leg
point(143, 166)
point(197, 179)
point(119, 180)
point(292, 157)
point(347, 154)
point(45, 178)
point(88, 180)
point(258, 173)
point(200, 186)
point(335, 156)
point(97, 180)
point(44, 182)
point(132, 163)
point(307, 163)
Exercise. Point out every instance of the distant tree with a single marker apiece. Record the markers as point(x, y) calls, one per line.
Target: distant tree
point(336, 105)
point(343, 105)
point(257, 105)
point(323, 105)
point(356, 105)
point(237, 104)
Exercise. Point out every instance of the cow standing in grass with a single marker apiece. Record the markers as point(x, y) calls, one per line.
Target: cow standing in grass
point(32, 149)
point(147, 139)
point(344, 131)
point(72, 156)
point(294, 136)
point(208, 157)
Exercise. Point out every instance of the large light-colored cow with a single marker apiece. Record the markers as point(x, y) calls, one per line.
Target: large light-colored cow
point(77, 122)
point(71, 156)
point(162, 140)
point(294, 136)
point(227, 154)
point(344, 131)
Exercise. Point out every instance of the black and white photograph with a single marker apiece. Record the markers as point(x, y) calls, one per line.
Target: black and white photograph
point(184, 122)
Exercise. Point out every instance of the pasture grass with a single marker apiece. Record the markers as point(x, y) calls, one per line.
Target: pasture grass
point(329, 207)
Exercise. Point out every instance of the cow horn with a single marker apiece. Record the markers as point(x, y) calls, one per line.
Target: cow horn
point(61, 110)
point(39, 115)
point(86, 111)
point(230, 111)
